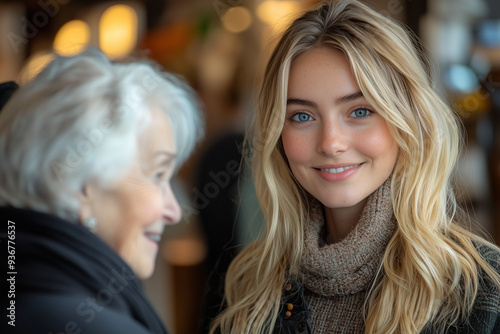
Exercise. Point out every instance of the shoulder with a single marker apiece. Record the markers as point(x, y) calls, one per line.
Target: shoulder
point(486, 310)
point(485, 316)
point(490, 253)
point(49, 313)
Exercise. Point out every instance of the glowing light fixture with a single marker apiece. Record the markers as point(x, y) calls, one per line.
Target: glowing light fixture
point(118, 31)
point(34, 65)
point(237, 19)
point(278, 14)
point(72, 38)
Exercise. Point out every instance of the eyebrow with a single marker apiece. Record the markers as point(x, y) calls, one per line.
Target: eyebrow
point(301, 102)
point(340, 100)
point(166, 157)
point(349, 98)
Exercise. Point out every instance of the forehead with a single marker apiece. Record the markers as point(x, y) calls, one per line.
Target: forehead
point(157, 135)
point(321, 70)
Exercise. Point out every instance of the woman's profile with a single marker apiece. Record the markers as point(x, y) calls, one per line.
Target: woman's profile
point(87, 150)
point(353, 154)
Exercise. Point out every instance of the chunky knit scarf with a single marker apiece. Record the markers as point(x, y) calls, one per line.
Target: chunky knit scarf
point(337, 277)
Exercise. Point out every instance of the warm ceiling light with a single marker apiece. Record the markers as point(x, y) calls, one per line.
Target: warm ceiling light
point(278, 14)
point(34, 65)
point(237, 19)
point(72, 38)
point(118, 31)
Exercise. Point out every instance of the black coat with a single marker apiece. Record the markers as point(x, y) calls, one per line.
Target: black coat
point(64, 279)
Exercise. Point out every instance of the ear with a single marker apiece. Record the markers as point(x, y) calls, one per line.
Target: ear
point(85, 197)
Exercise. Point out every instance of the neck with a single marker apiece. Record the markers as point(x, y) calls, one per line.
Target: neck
point(341, 221)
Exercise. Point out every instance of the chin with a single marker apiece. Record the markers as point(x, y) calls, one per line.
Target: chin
point(144, 272)
point(339, 204)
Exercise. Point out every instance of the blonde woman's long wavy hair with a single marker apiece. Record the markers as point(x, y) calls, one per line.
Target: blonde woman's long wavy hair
point(430, 267)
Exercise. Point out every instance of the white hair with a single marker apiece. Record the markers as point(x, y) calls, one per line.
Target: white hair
point(79, 120)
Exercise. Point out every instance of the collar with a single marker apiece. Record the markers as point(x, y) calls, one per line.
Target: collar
point(350, 265)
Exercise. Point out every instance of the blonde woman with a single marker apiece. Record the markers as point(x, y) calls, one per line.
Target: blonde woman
point(353, 152)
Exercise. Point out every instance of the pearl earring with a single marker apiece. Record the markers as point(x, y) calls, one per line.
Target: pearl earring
point(90, 224)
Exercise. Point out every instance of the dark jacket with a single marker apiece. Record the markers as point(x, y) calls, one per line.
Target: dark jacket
point(64, 279)
point(294, 317)
point(6, 90)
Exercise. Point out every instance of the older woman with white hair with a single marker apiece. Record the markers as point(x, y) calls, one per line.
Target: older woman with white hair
point(87, 152)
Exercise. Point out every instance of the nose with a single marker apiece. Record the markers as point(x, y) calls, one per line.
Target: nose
point(172, 212)
point(333, 140)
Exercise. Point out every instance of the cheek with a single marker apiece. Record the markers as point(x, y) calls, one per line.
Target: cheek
point(146, 205)
point(141, 209)
point(297, 147)
point(379, 143)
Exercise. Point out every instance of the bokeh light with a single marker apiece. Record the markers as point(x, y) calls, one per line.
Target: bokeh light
point(34, 65)
point(237, 19)
point(72, 38)
point(118, 31)
point(278, 14)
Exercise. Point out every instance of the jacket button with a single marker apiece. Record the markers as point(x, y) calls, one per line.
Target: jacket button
point(301, 326)
point(288, 314)
point(288, 287)
point(289, 307)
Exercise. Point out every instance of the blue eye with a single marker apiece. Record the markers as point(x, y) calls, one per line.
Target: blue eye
point(301, 117)
point(361, 112)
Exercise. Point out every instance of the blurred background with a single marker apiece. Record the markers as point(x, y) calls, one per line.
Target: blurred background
point(220, 47)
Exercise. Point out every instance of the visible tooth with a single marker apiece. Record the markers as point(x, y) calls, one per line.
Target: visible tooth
point(154, 237)
point(338, 170)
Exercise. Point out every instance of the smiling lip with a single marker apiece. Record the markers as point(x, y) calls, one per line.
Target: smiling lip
point(153, 237)
point(338, 172)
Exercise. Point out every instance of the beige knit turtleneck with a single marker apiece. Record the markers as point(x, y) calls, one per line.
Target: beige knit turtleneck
point(337, 277)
